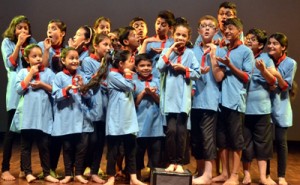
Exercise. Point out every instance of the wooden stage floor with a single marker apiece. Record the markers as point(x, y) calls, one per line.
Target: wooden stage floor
point(292, 174)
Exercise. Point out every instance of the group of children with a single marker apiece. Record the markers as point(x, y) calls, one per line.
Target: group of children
point(138, 93)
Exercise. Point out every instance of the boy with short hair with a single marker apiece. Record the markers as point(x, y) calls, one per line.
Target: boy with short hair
point(235, 70)
point(204, 111)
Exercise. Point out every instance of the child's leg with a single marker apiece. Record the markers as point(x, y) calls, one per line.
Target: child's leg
point(27, 138)
point(154, 152)
point(282, 153)
point(140, 153)
point(42, 141)
point(7, 148)
point(81, 149)
point(68, 151)
point(54, 149)
point(130, 158)
point(181, 136)
point(171, 141)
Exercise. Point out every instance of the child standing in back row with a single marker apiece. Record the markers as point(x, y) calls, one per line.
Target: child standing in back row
point(178, 66)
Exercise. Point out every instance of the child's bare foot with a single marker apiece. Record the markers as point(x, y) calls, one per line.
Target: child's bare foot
point(7, 176)
point(110, 181)
point(220, 178)
point(136, 182)
point(97, 179)
point(247, 178)
point(49, 178)
point(179, 169)
point(30, 178)
point(171, 168)
point(233, 180)
point(80, 178)
point(270, 180)
point(22, 174)
point(202, 180)
point(66, 180)
point(282, 181)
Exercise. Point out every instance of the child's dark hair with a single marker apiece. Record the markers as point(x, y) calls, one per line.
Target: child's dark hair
point(10, 31)
point(261, 35)
point(65, 52)
point(229, 5)
point(96, 79)
point(99, 37)
point(168, 16)
point(282, 39)
point(89, 33)
point(181, 21)
point(124, 33)
point(141, 57)
point(235, 22)
point(119, 56)
point(29, 47)
point(135, 19)
point(96, 24)
point(61, 25)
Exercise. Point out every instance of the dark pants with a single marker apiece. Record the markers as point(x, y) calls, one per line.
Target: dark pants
point(153, 147)
point(8, 142)
point(28, 136)
point(113, 144)
point(95, 147)
point(176, 135)
point(74, 152)
point(258, 138)
point(55, 145)
point(203, 134)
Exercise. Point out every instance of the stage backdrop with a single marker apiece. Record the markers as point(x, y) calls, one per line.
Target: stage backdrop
point(271, 15)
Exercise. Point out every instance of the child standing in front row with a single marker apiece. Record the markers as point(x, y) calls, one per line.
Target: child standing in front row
point(70, 123)
point(150, 120)
point(178, 66)
point(121, 119)
point(34, 116)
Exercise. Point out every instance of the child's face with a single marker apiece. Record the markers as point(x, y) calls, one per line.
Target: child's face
point(103, 27)
point(34, 57)
point(71, 61)
point(181, 34)
point(129, 64)
point(252, 42)
point(207, 30)
point(115, 41)
point(22, 28)
point(161, 27)
point(141, 29)
point(274, 48)
point(103, 47)
point(232, 33)
point(79, 38)
point(133, 41)
point(55, 34)
point(223, 15)
point(144, 68)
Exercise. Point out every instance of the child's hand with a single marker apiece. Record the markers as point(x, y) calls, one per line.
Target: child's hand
point(177, 45)
point(36, 84)
point(204, 70)
point(225, 61)
point(79, 80)
point(212, 48)
point(150, 90)
point(71, 43)
point(47, 43)
point(260, 65)
point(128, 71)
point(22, 39)
point(34, 70)
point(152, 39)
point(274, 72)
point(178, 67)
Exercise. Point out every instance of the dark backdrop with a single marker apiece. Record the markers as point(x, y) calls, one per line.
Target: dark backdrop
point(271, 15)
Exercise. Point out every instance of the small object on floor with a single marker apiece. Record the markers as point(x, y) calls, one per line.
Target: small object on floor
point(22, 174)
point(161, 177)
